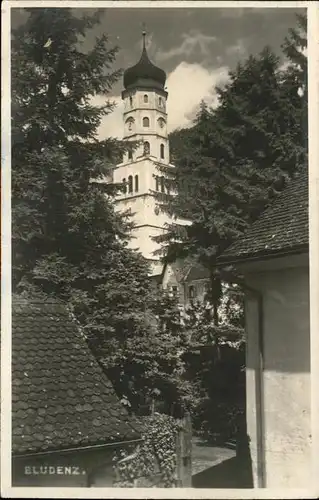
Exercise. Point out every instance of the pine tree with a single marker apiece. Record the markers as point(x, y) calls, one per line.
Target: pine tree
point(295, 48)
point(67, 238)
point(233, 161)
point(295, 75)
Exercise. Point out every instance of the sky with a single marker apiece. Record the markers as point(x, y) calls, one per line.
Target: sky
point(196, 47)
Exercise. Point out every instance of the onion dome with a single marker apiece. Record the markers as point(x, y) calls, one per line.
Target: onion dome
point(144, 73)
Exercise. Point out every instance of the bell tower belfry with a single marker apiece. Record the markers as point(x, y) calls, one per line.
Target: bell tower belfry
point(145, 124)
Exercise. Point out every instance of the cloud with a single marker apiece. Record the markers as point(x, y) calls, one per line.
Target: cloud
point(238, 49)
point(187, 85)
point(192, 43)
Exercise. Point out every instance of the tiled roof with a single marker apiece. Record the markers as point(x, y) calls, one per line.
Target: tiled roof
point(282, 227)
point(197, 272)
point(60, 396)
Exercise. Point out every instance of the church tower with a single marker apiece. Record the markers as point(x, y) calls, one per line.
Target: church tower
point(145, 121)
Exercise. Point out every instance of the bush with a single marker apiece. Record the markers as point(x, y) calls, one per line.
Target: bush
point(221, 387)
point(154, 462)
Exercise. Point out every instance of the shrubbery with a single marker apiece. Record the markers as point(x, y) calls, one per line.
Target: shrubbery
point(221, 390)
point(154, 461)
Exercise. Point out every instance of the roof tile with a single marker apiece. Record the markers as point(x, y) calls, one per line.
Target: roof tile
point(283, 226)
point(50, 410)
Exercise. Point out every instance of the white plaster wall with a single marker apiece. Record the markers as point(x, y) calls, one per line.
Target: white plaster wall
point(169, 280)
point(144, 209)
point(145, 169)
point(73, 469)
point(138, 115)
point(154, 134)
point(286, 378)
point(149, 220)
point(138, 100)
point(155, 139)
point(142, 241)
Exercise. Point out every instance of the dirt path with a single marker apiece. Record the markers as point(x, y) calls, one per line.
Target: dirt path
point(205, 455)
point(219, 467)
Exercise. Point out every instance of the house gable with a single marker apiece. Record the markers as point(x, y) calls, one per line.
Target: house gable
point(61, 398)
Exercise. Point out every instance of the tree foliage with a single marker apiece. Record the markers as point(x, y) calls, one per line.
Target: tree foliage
point(236, 157)
point(154, 462)
point(68, 239)
point(151, 366)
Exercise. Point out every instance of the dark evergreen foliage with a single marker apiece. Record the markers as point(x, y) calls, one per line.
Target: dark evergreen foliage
point(68, 240)
point(236, 157)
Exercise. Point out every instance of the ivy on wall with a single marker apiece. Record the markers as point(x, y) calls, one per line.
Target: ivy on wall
point(154, 461)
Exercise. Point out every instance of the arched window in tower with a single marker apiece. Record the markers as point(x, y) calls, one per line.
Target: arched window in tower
point(129, 124)
point(162, 151)
point(145, 98)
point(147, 149)
point(160, 102)
point(131, 101)
point(162, 184)
point(130, 184)
point(146, 122)
point(124, 186)
point(136, 183)
point(161, 122)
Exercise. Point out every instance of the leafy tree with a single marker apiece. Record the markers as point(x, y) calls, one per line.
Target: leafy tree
point(214, 364)
point(153, 362)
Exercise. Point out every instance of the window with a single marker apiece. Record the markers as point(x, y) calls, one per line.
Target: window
point(161, 122)
point(174, 290)
point(162, 184)
point(145, 98)
point(146, 122)
point(191, 292)
point(131, 101)
point(136, 183)
point(124, 186)
point(130, 184)
point(129, 123)
point(160, 101)
point(162, 151)
point(130, 154)
point(147, 149)
point(157, 183)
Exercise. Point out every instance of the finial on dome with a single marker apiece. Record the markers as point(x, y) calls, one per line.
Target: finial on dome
point(144, 73)
point(144, 35)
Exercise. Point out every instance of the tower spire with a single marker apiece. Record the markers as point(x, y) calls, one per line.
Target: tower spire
point(144, 35)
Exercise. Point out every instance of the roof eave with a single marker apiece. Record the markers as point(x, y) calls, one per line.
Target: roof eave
point(265, 255)
point(56, 451)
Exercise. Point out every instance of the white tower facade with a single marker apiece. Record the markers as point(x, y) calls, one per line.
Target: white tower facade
point(145, 123)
